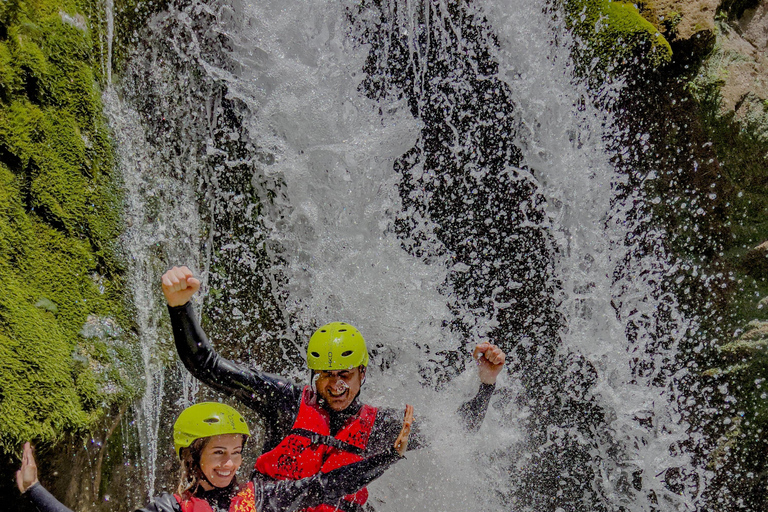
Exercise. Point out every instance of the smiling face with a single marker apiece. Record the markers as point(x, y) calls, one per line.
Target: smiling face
point(220, 459)
point(339, 388)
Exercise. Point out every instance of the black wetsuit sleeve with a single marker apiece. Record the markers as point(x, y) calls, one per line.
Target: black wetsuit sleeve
point(473, 411)
point(44, 501)
point(330, 488)
point(166, 502)
point(273, 397)
point(387, 427)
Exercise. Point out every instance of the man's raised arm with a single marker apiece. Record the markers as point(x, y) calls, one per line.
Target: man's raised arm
point(490, 361)
point(268, 395)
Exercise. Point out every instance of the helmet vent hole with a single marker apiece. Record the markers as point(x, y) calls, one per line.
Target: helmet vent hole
point(315, 354)
point(211, 420)
point(346, 353)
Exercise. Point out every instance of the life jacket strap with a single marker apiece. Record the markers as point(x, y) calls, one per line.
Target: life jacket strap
point(316, 438)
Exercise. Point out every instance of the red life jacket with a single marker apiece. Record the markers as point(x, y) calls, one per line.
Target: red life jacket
point(309, 448)
point(242, 502)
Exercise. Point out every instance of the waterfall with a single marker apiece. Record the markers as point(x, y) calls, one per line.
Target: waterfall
point(436, 176)
point(157, 218)
point(619, 312)
point(109, 11)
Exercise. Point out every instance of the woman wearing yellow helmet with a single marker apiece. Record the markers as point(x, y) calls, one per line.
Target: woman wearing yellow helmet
point(209, 438)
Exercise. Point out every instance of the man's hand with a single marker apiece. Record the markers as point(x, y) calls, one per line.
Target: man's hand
point(490, 361)
point(401, 443)
point(179, 285)
point(26, 477)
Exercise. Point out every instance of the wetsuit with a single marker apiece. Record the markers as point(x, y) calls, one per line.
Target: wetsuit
point(278, 400)
point(269, 496)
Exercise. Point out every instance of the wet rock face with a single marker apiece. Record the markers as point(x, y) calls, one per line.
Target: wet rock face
point(744, 66)
point(687, 17)
point(753, 26)
point(738, 62)
point(755, 262)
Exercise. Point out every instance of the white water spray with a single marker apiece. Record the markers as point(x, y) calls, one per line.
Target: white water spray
point(607, 289)
point(298, 71)
point(158, 212)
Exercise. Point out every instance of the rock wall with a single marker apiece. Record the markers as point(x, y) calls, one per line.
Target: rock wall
point(716, 155)
point(738, 63)
point(68, 360)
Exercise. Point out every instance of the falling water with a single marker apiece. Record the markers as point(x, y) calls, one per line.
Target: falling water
point(322, 193)
point(613, 268)
point(109, 11)
point(157, 223)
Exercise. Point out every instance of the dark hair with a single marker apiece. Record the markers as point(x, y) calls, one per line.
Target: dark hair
point(191, 473)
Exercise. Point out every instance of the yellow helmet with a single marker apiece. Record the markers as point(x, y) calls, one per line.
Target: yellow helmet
point(206, 419)
point(336, 346)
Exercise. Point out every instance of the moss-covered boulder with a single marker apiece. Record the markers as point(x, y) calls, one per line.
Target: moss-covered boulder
point(615, 33)
point(65, 356)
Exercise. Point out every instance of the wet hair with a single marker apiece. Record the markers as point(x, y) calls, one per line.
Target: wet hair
point(191, 473)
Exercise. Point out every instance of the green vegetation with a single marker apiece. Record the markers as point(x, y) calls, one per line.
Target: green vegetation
point(614, 33)
point(741, 365)
point(63, 318)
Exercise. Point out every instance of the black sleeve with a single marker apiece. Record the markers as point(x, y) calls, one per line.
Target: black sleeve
point(291, 495)
point(473, 411)
point(389, 422)
point(271, 396)
point(42, 500)
point(166, 502)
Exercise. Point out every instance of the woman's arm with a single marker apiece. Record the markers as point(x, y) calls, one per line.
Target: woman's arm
point(43, 501)
point(291, 495)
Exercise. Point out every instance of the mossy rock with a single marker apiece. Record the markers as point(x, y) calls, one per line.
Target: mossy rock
point(615, 33)
point(60, 276)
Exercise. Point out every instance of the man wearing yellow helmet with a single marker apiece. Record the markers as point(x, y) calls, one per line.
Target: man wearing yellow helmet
point(310, 429)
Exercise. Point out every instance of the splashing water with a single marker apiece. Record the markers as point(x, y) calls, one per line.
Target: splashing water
point(309, 143)
point(617, 312)
point(153, 219)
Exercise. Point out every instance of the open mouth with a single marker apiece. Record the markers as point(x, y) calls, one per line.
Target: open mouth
point(335, 393)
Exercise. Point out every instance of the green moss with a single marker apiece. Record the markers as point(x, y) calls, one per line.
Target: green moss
point(615, 33)
point(65, 355)
point(740, 365)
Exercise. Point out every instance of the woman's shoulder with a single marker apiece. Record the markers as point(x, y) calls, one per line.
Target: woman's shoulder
point(166, 502)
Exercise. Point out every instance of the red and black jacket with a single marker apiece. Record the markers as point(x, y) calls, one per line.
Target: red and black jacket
point(309, 448)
